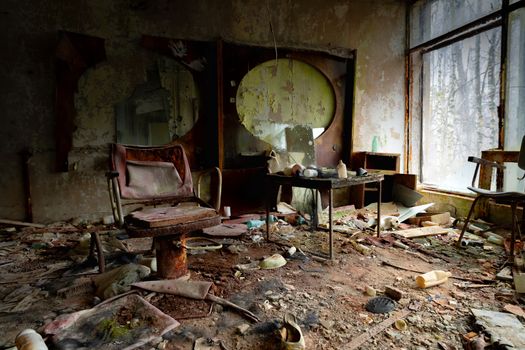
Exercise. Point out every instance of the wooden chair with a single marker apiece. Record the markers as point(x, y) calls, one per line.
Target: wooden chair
point(157, 182)
point(511, 198)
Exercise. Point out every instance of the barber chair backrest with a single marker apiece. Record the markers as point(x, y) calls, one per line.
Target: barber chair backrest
point(152, 172)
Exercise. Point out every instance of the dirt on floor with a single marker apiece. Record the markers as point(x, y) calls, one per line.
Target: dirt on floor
point(327, 297)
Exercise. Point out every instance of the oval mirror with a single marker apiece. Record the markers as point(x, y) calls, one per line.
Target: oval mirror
point(282, 94)
point(163, 108)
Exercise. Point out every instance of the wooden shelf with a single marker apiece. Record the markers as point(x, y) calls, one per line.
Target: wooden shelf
point(375, 163)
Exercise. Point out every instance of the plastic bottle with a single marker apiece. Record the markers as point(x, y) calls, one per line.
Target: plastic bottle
point(341, 170)
point(149, 262)
point(29, 339)
point(432, 278)
point(495, 239)
point(375, 144)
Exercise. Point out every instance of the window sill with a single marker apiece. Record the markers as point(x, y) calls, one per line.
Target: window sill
point(432, 189)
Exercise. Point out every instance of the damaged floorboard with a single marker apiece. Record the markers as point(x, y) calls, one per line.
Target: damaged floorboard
point(327, 298)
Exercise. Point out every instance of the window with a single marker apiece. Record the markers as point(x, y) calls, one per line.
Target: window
point(457, 106)
point(430, 19)
point(460, 114)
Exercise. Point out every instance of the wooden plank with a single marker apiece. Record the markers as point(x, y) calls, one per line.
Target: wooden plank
point(440, 219)
point(501, 156)
point(174, 230)
point(370, 333)
point(20, 223)
point(422, 232)
point(160, 217)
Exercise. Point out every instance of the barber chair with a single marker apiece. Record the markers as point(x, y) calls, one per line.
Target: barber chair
point(157, 183)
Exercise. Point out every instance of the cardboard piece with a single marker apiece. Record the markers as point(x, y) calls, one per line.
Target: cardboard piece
point(285, 208)
point(440, 219)
point(387, 208)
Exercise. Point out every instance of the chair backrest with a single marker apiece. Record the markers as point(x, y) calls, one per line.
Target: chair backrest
point(152, 172)
point(521, 157)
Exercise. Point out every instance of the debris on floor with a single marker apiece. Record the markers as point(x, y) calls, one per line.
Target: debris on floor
point(119, 280)
point(124, 322)
point(504, 329)
point(248, 293)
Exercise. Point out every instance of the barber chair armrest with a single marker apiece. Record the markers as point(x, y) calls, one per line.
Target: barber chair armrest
point(114, 196)
point(218, 186)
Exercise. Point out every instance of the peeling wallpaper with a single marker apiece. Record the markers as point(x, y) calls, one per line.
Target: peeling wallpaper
point(374, 28)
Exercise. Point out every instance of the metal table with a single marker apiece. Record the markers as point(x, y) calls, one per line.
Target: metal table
point(329, 184)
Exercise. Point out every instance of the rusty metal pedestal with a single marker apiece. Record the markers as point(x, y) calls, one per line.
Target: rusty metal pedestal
point(169, 242)
point(171, 256)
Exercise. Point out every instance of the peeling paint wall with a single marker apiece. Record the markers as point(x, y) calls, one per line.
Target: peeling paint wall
point(374, 28)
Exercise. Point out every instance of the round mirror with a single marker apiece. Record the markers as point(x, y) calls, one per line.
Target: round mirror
point(281, 94)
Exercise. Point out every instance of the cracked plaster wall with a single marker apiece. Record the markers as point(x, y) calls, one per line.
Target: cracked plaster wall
point(374, 28)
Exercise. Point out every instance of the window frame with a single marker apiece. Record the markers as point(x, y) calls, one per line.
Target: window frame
point(414, 83)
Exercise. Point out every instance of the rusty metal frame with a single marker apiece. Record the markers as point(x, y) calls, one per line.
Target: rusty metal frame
point(470, 33)
point(503, 12)
point(503, 76)
point(408, 88)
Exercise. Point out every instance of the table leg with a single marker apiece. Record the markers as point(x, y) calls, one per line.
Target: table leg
point(379, 188)
point(330, 218)
point(315, 213)
point(269, 190)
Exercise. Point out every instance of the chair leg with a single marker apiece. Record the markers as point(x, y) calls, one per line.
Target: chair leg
point(465, 225)
point(95, 241)
point(513, 232)
point(91, 248)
